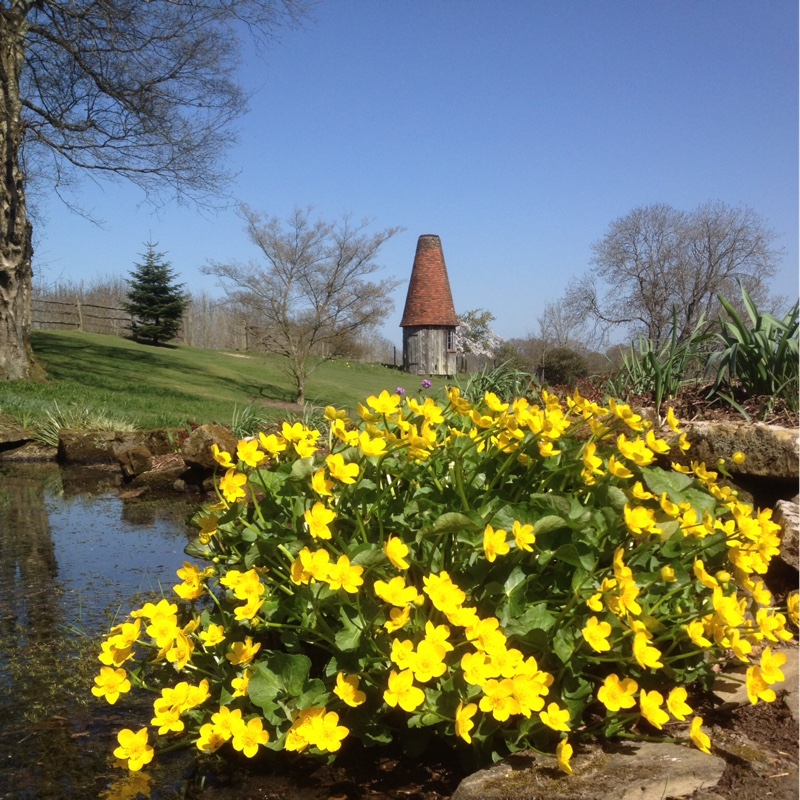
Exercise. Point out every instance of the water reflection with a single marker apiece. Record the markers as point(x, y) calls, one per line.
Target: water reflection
point(71, 554)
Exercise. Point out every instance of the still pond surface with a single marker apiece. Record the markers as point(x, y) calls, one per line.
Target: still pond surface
point(72, 558)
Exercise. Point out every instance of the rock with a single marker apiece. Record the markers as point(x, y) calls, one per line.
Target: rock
point(772, 451)
point(11, 438)
point(197, 447)
point(640, 770)
point(787, 515)
point(100, 447)
point(729, 686)
point(159, 480)
point(134, 459)
point(30, 451)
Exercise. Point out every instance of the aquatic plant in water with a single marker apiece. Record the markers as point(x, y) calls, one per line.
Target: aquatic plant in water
point(501, 575)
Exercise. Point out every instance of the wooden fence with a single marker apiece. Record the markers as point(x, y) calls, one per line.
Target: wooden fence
point(78, 316)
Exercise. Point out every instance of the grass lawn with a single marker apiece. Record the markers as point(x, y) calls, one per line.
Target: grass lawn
point(173, 385)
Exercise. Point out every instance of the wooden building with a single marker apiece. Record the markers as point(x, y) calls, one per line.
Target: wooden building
point(429, 319)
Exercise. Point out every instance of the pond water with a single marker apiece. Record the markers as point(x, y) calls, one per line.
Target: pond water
point(72, 557)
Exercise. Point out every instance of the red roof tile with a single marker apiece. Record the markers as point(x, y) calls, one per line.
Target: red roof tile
point(429, 300)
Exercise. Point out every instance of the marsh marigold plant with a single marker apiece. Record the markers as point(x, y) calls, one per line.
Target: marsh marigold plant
point(505, 575)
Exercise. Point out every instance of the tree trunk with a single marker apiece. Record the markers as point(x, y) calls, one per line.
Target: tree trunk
point(16, 250)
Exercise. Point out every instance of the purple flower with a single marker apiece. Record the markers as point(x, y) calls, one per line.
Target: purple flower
point(426, 384)
point(399, 390)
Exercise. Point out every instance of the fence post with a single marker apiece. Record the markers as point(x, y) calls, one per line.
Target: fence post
point(80, 315)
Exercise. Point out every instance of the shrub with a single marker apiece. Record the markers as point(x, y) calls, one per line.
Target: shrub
point(760, 355)
point(563, 366)
point(500, 575)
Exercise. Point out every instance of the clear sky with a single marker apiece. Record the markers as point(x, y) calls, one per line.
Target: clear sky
point(516, 130)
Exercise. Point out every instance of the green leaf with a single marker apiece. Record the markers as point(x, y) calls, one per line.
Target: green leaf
point(264, 686)
point(659, 481)
point(452, 522)
point(547, 524)
point(535, 616)
point(302, 469)
point(515, 579)
point(292, 671)
point(267, 479)
point(195, 549)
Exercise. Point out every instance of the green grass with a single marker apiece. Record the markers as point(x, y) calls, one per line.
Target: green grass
point(173, 385)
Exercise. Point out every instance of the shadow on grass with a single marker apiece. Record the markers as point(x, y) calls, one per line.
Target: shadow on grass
point(123, 369)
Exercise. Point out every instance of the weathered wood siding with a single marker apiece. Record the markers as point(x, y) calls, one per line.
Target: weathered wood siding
point(425, 351)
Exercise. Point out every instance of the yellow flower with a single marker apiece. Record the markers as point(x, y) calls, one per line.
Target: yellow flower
point(596, 634)
point(616, 694)
point(370, 446)
point(668, 574)
point(635, 451)
point(240, 685)
point(222, 457)
point(248, 452)
point(640, 520)
point(402, 692)
point(672, 421)
point(523, 536)
point(591, 462)
point(272, 444)
point(385, 403)
point(700, 573)
point(428, 661)
point(771, 664)
point(396, 551)
point(134, 749)
point(248, 736)
point(243, 653)
point(494, 543)
point(210, 739)
point(650, 703)
point(318, 518)
point(696, 630)
point(232, 485)
point(640, 493)
point(395, 592)
point(345, 473)
point(167, 718)
point(438, 635)
point(793, 607)
point(444, 594)
point(398, 618)
point(320, 484)
point(347, 690)
point(111, 683)
point(343, 575)
point(646, 655)
point(617, 469)
point(555, 717)
point(564, 754)
point(486, 635)
point(498, 698)
point(464, 723)
point(757, 687)
point(700, 739)
point(738, 457)
point(328, 733)
point(676, 703)
point(655, 444)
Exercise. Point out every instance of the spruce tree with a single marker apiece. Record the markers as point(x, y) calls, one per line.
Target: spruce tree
point(156, 303)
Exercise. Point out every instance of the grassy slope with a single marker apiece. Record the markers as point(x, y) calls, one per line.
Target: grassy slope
point(157, 386)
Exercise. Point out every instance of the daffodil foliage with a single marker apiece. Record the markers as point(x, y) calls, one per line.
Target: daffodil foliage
point(505, 575)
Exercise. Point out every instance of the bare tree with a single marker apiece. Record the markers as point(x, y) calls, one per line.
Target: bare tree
point(312, 294)
point(657, 260)
point(123, 88)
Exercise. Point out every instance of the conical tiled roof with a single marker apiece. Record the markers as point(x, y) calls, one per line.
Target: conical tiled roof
point(429, 300)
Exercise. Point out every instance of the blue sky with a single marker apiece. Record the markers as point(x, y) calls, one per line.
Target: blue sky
point(516, 131)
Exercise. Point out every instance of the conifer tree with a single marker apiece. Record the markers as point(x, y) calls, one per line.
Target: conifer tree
point(156, 303)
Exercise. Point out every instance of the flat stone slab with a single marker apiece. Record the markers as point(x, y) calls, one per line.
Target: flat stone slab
point(630, 771)
point(729, 686)
point(772, 451)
